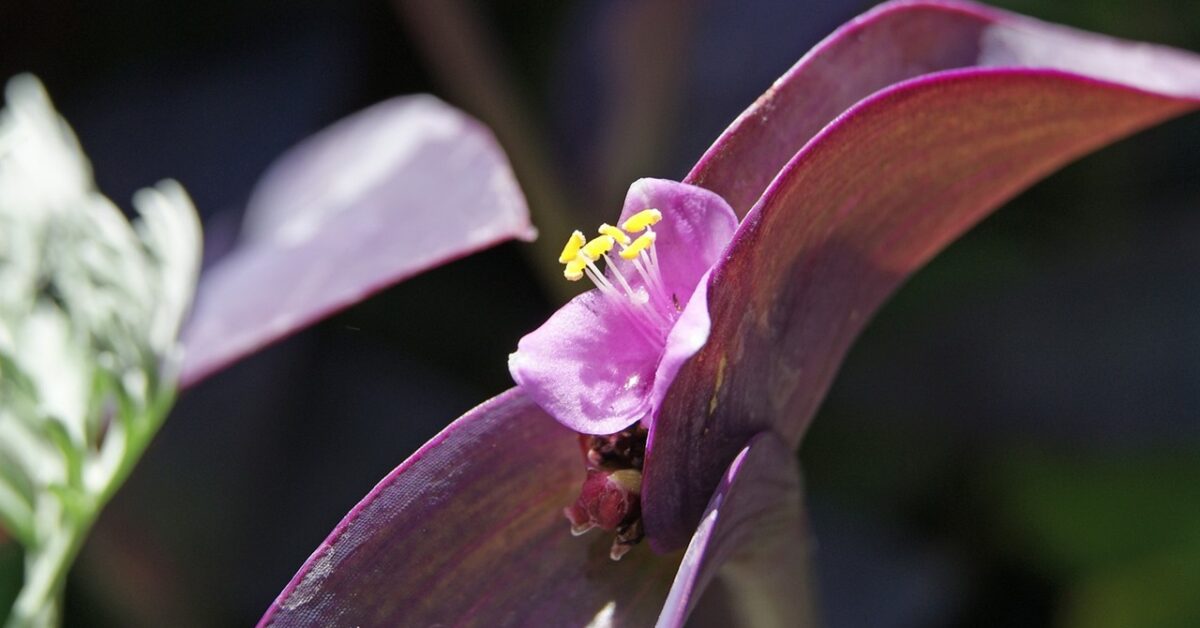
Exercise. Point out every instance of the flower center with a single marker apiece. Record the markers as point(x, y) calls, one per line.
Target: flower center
point(638, 290)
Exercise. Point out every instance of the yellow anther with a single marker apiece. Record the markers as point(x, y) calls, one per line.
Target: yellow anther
point(643, 242)
point(621, 237)
point(641, 220)
point(571, 250)
point(597, 247)
point(574, 269)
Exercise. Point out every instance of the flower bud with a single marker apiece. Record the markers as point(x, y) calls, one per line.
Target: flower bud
point(608, 500)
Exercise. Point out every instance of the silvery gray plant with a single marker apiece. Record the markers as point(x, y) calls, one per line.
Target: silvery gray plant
point(90, 312)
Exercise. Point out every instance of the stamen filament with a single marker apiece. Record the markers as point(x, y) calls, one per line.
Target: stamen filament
point(635, 317)
point(597, 278)
point(652, 263)
point(652, 282)
point(621, 278)
point(654, 257)
point(638, 299)
point(649, 307)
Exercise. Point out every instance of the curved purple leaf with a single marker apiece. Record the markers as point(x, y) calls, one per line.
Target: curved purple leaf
point(753, 537)
point(387, 193)
point(470, 531)
point(869, 200)
point(897, 41)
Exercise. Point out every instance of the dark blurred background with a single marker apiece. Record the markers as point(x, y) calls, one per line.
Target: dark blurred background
point(1014, 441)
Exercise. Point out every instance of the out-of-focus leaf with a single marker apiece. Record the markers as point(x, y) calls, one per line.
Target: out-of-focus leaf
point(1156, 591)
point(1069, 516)
point(472, 68)
point(1122, 534)
point(394, 190)
point(871, 198)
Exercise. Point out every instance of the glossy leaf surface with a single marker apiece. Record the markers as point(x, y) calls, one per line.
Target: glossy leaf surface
point(869, 200)
point(470, 531)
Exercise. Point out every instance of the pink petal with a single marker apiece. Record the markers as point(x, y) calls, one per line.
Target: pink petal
point(870, 199)
point(588, 366)
point(387, 193)
point(470, 531)
point(686, 338)
point(696, 227)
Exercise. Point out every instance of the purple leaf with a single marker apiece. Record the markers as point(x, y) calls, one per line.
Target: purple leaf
point(870, 199)
point(898, 41)
point(378, 197)
point(754, 537)
point(470, 530)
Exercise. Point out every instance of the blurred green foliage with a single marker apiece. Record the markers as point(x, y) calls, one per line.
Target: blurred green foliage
point(1077, 515)
point(1123, 531)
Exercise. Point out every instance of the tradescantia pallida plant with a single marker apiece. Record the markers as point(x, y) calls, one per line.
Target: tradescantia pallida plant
point(677, 391)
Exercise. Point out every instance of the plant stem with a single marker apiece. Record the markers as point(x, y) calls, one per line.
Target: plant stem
point(48, 561)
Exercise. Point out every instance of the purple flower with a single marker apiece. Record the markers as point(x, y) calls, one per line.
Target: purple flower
point(700, 366)
point(604, 360)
